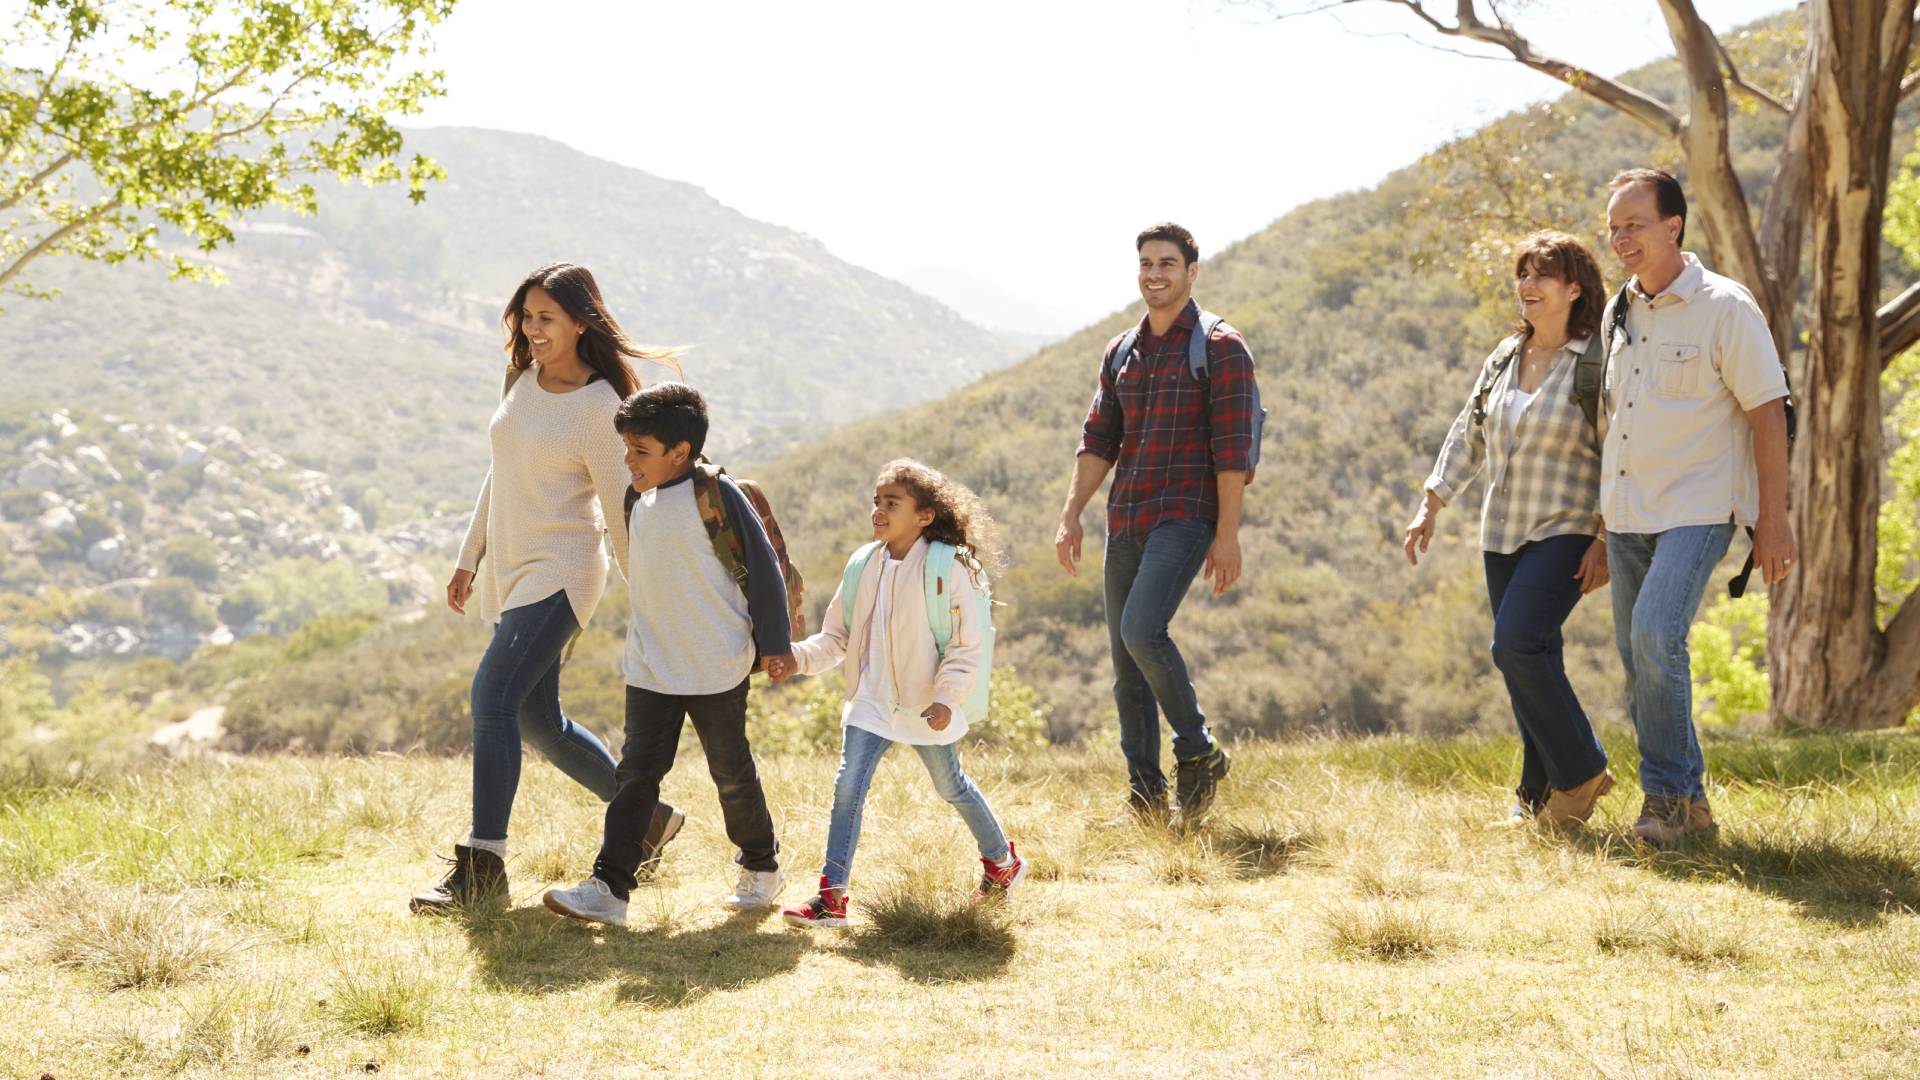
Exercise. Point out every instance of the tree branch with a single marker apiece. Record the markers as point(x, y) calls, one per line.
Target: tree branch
point(48, 241)
point(20, 191)
point(1734, 80)
point(1899, 320)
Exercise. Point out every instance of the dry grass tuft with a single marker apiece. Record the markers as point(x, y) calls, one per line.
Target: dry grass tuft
point(127, 937)
point(1384, 931)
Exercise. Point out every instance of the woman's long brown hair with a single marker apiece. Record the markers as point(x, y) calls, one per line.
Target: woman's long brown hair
point(604, 347)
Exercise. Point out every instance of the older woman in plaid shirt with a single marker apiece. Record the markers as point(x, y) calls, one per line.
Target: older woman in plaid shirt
point(1542, 540)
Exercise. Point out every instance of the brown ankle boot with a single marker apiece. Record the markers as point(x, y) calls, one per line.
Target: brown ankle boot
point(1568, 808)
point(478, 877)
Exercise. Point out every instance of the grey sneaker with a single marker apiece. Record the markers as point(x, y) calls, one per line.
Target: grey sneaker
point(1196, 779)
point(589, 901)
point(755, 889)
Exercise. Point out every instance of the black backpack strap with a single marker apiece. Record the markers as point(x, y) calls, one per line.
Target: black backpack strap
point(1737, 587)
point(1489, 373)
point(1122, 350)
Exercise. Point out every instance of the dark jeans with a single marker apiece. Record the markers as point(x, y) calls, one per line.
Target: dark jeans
point(516, 696)
point(1145, 582)
point(1532, 591)
point(653, 737)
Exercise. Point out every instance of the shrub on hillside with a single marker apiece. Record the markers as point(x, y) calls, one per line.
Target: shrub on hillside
point(193, 557)
point(177, 600)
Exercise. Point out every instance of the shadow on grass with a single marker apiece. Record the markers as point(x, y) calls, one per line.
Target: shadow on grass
point(930, 939)
point(533, 951)
point(1822, 879)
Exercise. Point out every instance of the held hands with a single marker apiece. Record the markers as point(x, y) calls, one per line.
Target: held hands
point(779, 667)
point(1223, 563)
point(1774, 551)
point(937, 716)
point(1066, 543)
point(459, 590)
point(1593, 566)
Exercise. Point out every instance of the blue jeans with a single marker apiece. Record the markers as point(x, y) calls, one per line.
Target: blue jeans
point(1146, 580)
point(515, 696)
point(1658, 580)
point(1532, 591)
point(860, 752)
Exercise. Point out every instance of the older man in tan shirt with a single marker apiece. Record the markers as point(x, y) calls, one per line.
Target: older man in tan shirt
point(1694, 445)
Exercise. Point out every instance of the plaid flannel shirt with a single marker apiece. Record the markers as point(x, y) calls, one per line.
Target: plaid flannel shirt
point(1543, 479)
point(1166, 434)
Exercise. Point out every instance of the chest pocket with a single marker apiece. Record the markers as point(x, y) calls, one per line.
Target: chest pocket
point(1676, 370)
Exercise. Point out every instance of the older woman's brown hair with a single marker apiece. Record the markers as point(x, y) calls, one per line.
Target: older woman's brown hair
point(1559, 255)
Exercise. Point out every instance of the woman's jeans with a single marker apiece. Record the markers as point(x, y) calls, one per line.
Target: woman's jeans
point(860, 752)
point(1145, 582)
point(1658, 580)
point(1532, 591)
point(515, 697)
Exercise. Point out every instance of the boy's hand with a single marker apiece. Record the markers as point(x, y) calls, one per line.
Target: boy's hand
point(779, 667)
point(937, 716)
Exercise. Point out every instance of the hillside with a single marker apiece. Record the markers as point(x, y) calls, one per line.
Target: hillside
point(1364, 360)
point(1347, 913)
point(364, 342)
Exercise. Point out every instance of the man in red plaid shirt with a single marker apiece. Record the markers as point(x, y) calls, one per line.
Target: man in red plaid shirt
point(1181, 451)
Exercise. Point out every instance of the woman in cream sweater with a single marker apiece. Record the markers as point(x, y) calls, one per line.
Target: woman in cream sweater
point(535, 556)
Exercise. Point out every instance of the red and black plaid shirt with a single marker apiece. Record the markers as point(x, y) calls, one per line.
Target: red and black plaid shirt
point(1166, 434)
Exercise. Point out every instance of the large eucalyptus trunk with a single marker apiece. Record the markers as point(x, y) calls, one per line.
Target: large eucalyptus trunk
point(1832, 665)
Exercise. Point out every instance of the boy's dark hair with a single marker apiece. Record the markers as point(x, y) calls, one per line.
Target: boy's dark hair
point(671, 412)
point(1174, 235)
point(1667, 196)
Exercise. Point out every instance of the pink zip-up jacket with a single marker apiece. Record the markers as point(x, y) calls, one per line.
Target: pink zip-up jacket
point(920, 677)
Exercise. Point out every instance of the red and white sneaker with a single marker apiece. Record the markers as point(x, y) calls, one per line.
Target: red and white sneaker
point(828, 909)
point(999, 880)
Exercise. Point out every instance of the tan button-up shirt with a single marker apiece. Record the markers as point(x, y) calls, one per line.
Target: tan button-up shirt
point(1676, 447)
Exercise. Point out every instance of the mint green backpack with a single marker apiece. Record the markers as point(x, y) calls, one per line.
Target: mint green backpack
point(942, 563)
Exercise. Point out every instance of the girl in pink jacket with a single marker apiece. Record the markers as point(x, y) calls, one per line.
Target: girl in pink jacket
point(908, 628)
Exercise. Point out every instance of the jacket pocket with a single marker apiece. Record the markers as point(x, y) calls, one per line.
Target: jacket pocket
point(1676, 370)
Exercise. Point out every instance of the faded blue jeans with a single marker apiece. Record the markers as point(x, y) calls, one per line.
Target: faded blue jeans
point(860, 753)
point(1658, 580)
point(1145, 582)
point(515, 697)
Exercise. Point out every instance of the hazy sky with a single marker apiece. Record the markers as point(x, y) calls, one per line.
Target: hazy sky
point(1022, 142)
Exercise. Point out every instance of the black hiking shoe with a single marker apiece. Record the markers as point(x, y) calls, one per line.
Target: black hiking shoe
point(1195, 779)
point(664, 827)
point(478, 877)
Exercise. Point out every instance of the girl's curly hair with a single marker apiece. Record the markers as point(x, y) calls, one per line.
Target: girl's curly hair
point(959, 517)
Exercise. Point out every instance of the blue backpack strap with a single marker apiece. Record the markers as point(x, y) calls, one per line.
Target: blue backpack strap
point(1197, 344)
point(938, 578)
point(1124, 349)
point(850, 579)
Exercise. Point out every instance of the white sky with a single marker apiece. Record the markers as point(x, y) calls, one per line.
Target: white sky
point(1022, 142)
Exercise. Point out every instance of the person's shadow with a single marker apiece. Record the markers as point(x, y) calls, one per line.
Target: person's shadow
point(659, 964)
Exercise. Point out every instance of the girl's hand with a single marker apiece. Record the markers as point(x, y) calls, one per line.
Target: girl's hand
point(459, 590)
point(1593, 566)
point(779, 667)
point(937, 716)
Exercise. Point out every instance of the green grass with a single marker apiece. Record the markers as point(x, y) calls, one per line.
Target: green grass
point(1349, 911)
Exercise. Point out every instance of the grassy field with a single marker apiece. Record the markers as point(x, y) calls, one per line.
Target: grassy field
point(1348, 912)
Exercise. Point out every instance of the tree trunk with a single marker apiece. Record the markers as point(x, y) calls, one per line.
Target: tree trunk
point(1832, 666)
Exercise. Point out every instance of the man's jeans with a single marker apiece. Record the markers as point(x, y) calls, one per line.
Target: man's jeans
point(1658, 579)
point(516, 696)
point(653, 738)
point(1532, 591)
point(860, 752)
point(1145, 582)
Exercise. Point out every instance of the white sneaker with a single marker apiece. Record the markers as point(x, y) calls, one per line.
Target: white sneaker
point(755, 889)
point(590, 901)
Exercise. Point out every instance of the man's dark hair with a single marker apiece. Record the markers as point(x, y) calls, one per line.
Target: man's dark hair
point(1667, 196)
point(671, 412)
point(1174, 235)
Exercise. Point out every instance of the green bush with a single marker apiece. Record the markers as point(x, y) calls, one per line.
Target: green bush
point(193, 557)
point(289, 593)
point(22, 504)
point(177, 600)
point(1729, 647)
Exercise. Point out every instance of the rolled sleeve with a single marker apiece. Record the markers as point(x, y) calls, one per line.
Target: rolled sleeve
point(1105, 425)
point(1746, 359)
point(1230, 403)
point(1461, 456)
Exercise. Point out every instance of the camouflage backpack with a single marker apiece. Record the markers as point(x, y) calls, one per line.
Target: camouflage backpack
point(727, 544)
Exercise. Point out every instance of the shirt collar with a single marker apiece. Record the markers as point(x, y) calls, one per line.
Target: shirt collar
point(1692, 276)
point(1188, 318)
point(678, 480)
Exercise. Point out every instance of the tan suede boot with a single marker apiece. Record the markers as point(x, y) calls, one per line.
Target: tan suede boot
point(1568, 808)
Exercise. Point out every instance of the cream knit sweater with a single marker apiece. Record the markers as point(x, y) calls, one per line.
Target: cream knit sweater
point(553, 494)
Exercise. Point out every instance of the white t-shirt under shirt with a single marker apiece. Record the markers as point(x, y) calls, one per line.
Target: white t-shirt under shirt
point(1515, 407)
point(872, 708)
